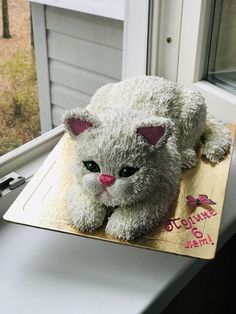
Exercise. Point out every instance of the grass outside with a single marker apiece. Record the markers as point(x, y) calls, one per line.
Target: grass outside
point(19, 110)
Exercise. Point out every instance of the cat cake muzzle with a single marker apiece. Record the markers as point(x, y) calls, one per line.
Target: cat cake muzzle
point(132, 142)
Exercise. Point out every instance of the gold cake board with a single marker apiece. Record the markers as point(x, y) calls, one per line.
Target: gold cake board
point(191, 232)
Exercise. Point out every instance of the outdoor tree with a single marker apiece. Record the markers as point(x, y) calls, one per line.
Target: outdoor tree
point(5, 20)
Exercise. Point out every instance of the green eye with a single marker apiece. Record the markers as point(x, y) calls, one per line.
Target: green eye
point(127, 171)
point(91, 166)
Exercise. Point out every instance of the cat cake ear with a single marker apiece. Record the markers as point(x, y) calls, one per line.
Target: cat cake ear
point(76, 122)
point(155, 131)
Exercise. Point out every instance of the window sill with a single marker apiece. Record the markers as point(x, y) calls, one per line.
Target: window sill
point(82, 270)
point(220, 103)
point(30, 153)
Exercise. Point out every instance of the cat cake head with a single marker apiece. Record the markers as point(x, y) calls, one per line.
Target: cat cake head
point(118, 156)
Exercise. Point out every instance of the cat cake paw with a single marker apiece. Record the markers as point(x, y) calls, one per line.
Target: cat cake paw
point(189, 158)
point(83, 214)
point(132, 142)
point(129, 223)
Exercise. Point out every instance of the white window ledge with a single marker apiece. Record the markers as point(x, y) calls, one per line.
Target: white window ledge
point(50, 272)
point(114, 9)
point(220, 103)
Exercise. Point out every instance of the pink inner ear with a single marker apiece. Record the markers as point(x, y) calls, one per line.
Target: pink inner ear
point(78, 126)
point(152, 134)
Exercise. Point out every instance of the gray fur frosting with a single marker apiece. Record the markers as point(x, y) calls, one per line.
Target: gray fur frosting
point(132, 142)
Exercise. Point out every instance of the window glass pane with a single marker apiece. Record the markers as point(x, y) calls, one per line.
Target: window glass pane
point(19, 110)
point(222, 59)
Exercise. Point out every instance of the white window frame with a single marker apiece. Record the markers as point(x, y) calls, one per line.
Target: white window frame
point(29, 152)
point(107, 8)
point(192, 59)
point(134, 15)
point(187, 23)
point(135, 47)
point(135, 40)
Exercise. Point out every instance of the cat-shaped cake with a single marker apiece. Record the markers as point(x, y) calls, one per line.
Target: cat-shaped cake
point(132, 142)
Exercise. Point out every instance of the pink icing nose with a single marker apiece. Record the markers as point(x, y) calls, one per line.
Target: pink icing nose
point(106, 179)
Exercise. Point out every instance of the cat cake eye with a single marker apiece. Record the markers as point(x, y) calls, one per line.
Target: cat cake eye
point(127, 171)
point(91, 165)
